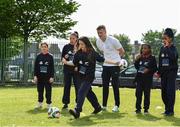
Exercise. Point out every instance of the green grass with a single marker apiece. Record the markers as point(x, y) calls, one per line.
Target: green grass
point(17, 109)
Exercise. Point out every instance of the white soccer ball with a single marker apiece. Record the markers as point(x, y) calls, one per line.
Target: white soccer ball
point(123, 63)
point(54, 112)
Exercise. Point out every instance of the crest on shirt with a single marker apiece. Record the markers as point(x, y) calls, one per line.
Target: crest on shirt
point(86, 63)
point(40, 62)
point(69, 52)
point(46, 63)
point(162, 55)
point(140, 62)
point(145, 63)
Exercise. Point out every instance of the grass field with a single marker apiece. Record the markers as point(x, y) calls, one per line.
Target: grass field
point(17, 109)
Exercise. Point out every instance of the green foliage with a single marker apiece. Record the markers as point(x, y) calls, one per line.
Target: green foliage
point(10, 41)
point(42, 18)
point(93, 42)
point(7, 19)
point(125, 41)
point(154, 39)
point(177, 43)
point(37, 19)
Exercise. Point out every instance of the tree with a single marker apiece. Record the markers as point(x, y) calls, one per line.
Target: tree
point(177, 43)
point(125, 42)
point(7, 19)
point(41, 18)
point(93, 42)
point(10, 41)
point(154, 39)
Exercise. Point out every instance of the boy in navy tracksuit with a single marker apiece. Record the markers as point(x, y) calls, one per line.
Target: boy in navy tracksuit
point(69, 73)
point(85, 60)
point(146, 66)
point(168, 66)
point(44, 75)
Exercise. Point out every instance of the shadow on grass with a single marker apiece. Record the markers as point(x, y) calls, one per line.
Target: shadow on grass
point(37, 111)
point(65, 112)
point(148, 117)
point(16, 86)
point(173, 119)
point(90, 119)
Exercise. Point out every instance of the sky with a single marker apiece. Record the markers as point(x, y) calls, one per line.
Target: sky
point(130, 17)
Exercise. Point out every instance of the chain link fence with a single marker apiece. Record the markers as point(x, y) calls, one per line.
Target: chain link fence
point(11, 61)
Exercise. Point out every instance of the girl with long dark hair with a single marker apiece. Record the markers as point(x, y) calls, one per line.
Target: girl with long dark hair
point(85, 60)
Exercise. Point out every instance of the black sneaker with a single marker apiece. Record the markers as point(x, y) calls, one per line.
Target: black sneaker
point(74, 113)
point(96, 111)
point(138, 111)
point(65, 106)
point(146, 112)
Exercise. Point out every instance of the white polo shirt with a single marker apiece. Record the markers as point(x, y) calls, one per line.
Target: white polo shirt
point(110, 49)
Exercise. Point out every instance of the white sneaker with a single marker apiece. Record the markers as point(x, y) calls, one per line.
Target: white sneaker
point(115, 109)
point(104, 108)
point(49, 106)
point(39, 105)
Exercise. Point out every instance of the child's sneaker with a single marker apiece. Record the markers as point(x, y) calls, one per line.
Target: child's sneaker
point(146, 112)
point(49, 106)
point(138, 111)
point(104, 108)
point(115, 109)
point(96, 111)
point(74, 113)
point(39, 105)
point(65, 106)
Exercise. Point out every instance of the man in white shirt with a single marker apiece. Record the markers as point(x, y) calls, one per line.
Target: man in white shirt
point(112, 50)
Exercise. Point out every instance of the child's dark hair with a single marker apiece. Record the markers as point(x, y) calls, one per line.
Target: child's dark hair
point(44, 43)
point(169, 32)
point(75, 33)
point(87, 43)
point(89, 48)
point(149, 47)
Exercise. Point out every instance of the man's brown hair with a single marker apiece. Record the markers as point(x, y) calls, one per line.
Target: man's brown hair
point(100, 27)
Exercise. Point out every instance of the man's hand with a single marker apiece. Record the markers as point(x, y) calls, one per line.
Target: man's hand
point(118, 64)
point(51, 80)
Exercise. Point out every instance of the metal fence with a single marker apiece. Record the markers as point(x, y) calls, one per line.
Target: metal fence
point(11, 61)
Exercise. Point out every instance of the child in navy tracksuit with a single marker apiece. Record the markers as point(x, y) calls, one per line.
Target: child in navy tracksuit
point(85, 59)
point(168, 66)
point(44, 75)
point(146, 66)
point(69, 74)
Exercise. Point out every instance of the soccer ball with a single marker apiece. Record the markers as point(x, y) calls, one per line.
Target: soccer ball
point(53, 112)
point(123, 63)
